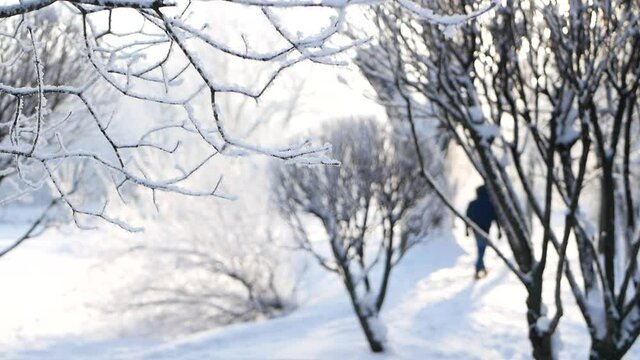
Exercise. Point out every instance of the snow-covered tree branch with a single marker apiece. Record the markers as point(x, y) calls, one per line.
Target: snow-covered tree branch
point(552, 84)
point(156, 53)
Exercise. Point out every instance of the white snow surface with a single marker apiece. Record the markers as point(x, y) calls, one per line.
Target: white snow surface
point(434, 310)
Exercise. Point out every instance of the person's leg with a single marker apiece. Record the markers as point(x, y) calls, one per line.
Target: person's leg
point(481, 243)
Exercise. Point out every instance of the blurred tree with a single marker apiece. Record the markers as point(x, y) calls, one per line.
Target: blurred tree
point(366, 207)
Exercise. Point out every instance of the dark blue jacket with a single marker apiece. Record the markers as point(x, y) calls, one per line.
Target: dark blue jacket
point(481, 210)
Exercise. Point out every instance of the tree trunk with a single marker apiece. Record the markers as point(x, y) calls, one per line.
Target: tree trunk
point(541, 341)
point(604, 349)
point(362, 313)
point(375, 344)
point(387, 266)
point(585, 251)
point(607, 223)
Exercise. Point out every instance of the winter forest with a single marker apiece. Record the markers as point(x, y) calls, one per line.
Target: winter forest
point(319, 179)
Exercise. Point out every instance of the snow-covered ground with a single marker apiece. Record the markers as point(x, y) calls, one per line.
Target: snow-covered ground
point(51, 292)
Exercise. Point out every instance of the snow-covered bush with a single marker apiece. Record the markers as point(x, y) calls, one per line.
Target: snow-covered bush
point(204, 265)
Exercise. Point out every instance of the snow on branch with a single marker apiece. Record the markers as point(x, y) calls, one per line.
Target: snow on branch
point(64, 63)
point(448, 22)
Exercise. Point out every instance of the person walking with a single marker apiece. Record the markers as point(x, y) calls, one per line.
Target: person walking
point(483, 214)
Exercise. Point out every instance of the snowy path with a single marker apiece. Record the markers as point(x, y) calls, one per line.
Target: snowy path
point(435, 310)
